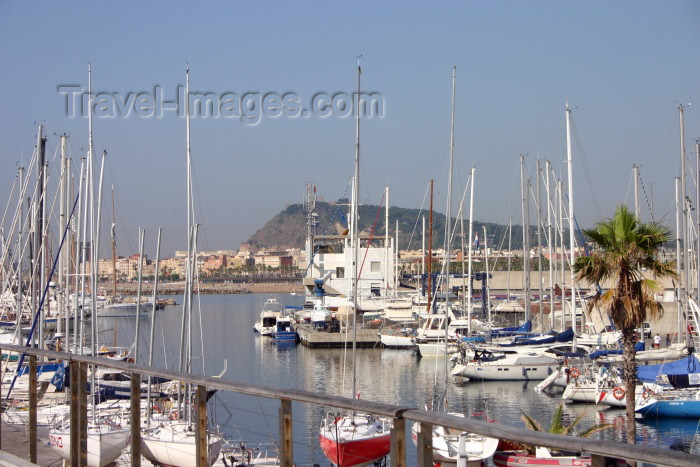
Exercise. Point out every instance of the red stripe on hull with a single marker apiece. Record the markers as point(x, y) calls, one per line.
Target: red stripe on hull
point(511, 459)
point(355, 452)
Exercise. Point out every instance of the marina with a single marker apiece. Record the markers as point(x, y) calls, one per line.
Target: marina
point(155, 311)
point(387, 375)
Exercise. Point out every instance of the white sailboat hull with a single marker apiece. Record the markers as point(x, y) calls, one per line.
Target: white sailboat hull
point(174, 445)
point(104, 445)
point(505, 372)
point(477, 448)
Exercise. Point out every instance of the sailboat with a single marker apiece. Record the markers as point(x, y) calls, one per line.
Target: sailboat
point(355, 439)
point(106, 436)
point(173, 441)
point(449, 444)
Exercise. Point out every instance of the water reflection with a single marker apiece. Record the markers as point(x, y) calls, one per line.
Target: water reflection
point(225, 331)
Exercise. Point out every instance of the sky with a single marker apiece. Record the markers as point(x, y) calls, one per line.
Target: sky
point(622, 66)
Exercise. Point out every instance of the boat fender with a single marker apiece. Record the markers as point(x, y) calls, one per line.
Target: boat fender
point(646, 393)
point(575, 372)
point(174, 415)
point(619, 393)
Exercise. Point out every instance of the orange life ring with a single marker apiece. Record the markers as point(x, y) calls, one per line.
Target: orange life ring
point(574, 372)
point(174, 415)
point(619, 393)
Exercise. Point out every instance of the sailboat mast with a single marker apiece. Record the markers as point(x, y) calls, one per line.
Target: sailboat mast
point(430, 251)
point(470, 251)
point(142, 235)
point(114, 249)
point(539, 241)
point(550, 241)
point(151, 339)
point(448, 224)
point(525, 201)
point(570, 188)
point(355, 240)
point(386, 243)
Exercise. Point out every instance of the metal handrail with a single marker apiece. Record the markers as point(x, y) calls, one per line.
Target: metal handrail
point(601, 448)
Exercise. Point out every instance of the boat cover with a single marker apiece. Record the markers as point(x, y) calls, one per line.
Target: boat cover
point(684, 366)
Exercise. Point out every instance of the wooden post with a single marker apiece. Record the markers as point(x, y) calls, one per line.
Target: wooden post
point(1, 375)
point(74, 368)
point(398, 443)
point(82, 403)
point(31, 429)
point(285, 420)
point(425, 445)
point(135, 420)
point(201, 426)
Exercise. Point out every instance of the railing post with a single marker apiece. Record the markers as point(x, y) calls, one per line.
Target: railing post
point(1, 401)
point(285, 420)
point(82, 404)
point(425, 445)
point(74, 368)
point(31, 429)
point(398, 443)
point(201, 426)
point(135, 420)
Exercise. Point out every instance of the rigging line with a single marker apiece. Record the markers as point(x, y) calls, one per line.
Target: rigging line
point(646, 197)
point(586, 169)
point(41, 303)
point(9, 198)
point(420, 211)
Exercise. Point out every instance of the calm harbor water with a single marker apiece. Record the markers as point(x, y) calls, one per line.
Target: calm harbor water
point(224, 332)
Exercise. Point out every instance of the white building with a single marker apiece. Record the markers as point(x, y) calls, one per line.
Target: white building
point(375, 265)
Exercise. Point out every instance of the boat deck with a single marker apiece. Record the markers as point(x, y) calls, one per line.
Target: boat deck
point(313, 338)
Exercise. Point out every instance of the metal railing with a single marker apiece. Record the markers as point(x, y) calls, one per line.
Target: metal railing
point(599, 449)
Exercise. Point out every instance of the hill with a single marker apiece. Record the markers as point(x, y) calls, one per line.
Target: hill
point(288, 228)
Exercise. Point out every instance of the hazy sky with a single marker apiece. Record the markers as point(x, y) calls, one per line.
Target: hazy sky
point(623, 66)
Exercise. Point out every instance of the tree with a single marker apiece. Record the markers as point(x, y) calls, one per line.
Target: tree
point(558, 427)
point(624, 249)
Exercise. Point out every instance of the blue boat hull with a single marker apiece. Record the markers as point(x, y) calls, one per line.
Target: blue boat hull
point(689, 408)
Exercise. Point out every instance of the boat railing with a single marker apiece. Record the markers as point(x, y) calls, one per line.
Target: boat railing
point(600, 450)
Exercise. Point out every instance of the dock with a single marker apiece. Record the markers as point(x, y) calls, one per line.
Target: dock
point(15, 447)
point(314, 338)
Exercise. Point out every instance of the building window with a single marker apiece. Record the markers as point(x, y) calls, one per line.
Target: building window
point(340, 273)
point(376, 266)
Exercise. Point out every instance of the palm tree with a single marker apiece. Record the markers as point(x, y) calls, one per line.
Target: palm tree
point(624, 249)
point(558, 427)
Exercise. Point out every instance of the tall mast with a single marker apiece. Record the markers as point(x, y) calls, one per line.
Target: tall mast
point(487, 298)
point(153, 328)
point(61, 228)
point(684, 239)
point(539, 241)
point(470, 251)
point(510, 250)
point(113, 232)
point(448, 224)
point(572, 245)
point(142, 235)
point(679, 307)
point(635, 175)
point(550, 242)
point(386, 243)
point(430, 251)
point(525, 202)
point(355, 231)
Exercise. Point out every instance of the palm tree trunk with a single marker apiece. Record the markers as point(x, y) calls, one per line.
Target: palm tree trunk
point(629, 366)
